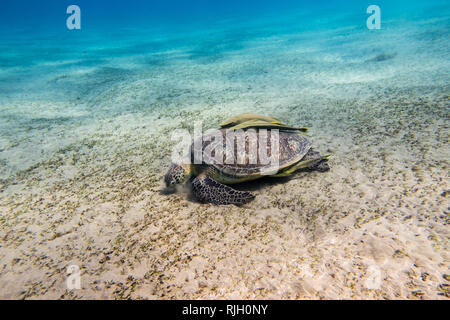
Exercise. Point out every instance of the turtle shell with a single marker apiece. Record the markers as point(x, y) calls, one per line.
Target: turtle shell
point(251, 152)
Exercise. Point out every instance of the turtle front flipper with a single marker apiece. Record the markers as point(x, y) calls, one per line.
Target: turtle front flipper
point(206, 189)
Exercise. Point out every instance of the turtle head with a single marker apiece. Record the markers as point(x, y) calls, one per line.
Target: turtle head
point(177, 174)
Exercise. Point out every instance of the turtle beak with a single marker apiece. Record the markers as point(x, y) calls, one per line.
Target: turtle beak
point(168, 179)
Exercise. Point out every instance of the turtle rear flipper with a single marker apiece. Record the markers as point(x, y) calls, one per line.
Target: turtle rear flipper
point(321, 165)
point(206, 189)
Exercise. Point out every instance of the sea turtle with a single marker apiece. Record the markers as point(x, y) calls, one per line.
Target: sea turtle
point(210, 178)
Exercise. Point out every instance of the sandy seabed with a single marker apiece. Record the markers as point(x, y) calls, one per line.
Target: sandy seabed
point(83, 153)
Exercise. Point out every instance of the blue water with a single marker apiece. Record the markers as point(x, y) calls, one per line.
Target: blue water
point(134, 25)
point(32, 34)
